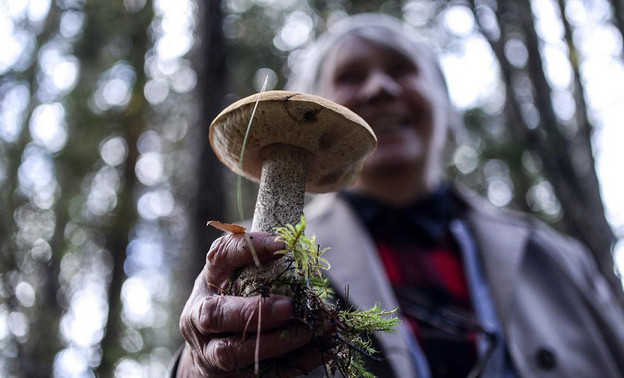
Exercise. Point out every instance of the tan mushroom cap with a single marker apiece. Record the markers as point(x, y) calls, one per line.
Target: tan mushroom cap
point(336, 138)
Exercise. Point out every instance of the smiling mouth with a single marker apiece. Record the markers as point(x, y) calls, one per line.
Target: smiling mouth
point(389, 124)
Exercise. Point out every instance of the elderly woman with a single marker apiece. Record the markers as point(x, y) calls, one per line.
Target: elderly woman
point(482, 292)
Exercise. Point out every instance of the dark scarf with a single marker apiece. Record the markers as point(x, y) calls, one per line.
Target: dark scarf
point(423, 222)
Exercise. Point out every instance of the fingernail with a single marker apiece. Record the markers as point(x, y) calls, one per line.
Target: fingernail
point(281, 309)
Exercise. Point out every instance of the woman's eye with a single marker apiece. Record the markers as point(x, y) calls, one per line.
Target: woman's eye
point(349, 78)
point(402, 70)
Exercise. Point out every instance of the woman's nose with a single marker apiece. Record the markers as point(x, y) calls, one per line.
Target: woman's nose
point(380, 85)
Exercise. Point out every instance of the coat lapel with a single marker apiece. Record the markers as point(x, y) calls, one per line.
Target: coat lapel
point(501, 243)
point(356, 266)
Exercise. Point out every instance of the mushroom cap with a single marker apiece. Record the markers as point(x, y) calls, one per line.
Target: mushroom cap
point(337, 140)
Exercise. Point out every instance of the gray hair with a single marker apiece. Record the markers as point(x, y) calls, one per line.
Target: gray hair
point(379, 28)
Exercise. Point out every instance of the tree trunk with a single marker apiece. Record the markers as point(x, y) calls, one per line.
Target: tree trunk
point(35, 357)
point(117, 240)
point(209, 203)
point(597, 232)
point(568, 160)
point(570, 164)
point(117, 234)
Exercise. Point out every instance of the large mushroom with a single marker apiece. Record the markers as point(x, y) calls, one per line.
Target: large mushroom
point(297, 143)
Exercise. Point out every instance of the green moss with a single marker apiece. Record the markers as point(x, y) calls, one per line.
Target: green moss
point(344, 336)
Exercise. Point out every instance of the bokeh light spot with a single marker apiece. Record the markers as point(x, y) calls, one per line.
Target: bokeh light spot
point(47, 126)
point(25, 294)
point(114, 150)
point(149, 168)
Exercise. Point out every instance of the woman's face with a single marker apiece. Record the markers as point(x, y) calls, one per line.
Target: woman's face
point(401, 97)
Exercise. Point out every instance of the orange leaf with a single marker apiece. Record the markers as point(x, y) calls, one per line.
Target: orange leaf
point(227, 227)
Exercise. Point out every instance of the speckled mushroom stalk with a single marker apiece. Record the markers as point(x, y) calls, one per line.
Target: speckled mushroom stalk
point(280, 201)
point(282, 187)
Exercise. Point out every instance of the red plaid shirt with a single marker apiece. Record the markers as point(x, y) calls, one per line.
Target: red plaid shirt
point(425, 269)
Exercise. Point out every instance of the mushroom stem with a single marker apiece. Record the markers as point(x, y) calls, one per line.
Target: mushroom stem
point(282, 187)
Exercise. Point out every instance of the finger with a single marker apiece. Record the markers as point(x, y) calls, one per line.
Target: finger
point(230, 252)
point(235, 352)
point(220, 313)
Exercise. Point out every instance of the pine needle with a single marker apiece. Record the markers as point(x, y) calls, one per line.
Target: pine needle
point(239, 190)
point(257, 351)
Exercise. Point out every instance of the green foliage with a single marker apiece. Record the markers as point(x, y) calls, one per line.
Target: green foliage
point(343, 335)
point(369, 321)
point(305, 251)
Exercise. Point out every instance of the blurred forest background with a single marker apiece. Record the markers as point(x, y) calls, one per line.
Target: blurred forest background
point(107, 180)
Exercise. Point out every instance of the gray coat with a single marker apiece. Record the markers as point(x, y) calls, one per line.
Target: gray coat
point(558, 315)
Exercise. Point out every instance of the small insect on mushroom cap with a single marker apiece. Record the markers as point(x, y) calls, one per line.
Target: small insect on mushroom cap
point(337, 139)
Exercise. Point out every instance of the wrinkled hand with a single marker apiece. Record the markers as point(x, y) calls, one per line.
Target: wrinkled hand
point(213, 324)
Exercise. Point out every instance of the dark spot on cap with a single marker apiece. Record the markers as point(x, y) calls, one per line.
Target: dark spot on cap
point(301, 112)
